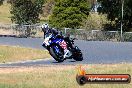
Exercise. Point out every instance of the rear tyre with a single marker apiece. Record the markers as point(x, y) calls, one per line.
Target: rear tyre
point(77, 54)
point(57, 53)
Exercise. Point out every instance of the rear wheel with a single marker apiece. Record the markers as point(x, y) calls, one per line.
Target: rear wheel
point(57, 53)
point(77, 54)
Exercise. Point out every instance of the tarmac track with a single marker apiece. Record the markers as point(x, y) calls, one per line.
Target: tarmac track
point(94, 52)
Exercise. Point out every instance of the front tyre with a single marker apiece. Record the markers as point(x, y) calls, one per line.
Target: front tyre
point(57, 53)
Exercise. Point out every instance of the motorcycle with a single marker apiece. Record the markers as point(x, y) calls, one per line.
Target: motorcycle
point(62, 48)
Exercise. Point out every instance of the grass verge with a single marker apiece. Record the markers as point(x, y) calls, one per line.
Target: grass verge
point(15, 53)
point(58, 76)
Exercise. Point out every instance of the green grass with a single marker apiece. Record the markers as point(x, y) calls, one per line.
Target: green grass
point(15, 53)
point(58, 76)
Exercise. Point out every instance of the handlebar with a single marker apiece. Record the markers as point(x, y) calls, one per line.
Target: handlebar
point(72, 39)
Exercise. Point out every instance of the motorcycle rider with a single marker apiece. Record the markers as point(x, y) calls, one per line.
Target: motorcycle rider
point(47, 31)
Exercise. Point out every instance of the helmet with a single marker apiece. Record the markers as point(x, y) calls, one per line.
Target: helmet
point(45, 25)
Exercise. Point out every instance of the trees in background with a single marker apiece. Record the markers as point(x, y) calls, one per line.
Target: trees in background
point(47, 9)
point(114, 13)
point(95, 21)
point(72, 13)
point(26, 11)
point(69, 13)
point(1, 2)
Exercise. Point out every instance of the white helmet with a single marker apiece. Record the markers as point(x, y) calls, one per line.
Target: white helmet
point(45, 25)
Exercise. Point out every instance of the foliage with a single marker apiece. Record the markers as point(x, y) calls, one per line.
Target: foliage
point(127, 37)
point(48, 7)
point(95, 22)
point(113, 9)
point(69, 13)
point(26, 11)
point(1, 2)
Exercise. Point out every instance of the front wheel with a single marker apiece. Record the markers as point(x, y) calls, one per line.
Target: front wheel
point(77, 54)
point(57, 53)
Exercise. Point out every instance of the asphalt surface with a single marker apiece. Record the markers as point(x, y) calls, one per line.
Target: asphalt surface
point(94, 52)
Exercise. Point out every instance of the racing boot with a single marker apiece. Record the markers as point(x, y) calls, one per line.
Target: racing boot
point(67, 53)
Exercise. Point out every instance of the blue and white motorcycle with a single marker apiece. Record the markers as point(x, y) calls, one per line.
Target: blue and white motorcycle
point(61, 48)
